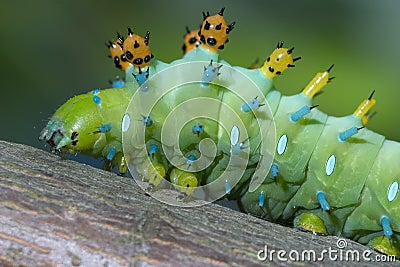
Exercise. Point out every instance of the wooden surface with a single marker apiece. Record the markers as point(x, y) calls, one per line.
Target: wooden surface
point(56, 212)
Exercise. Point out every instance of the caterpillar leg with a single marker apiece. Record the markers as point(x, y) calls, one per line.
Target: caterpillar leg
point(257, 203)
point(310, 222)
point(155, 173)
point(107, 165)
point(184, 182)
point(270, 199)
point(114, 157)
point(385, 245)
point(121, 163)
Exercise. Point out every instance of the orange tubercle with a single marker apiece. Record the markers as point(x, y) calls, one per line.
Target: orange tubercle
point(191, 40)
point(137, 50)
point(214, 31)
point(117, 54)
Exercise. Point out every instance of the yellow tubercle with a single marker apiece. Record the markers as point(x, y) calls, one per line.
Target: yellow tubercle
point(279, 60)
point(316, 84)
point(363, 109)
point(366, 118)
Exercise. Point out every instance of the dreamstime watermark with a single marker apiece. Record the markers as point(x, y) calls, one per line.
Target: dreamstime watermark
point(338, 253)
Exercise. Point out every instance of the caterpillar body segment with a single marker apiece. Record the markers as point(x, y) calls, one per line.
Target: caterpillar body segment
point(380, 194)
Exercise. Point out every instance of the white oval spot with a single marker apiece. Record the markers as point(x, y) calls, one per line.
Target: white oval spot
point(126, 122)
point(392, 191)
point(330, 165)
point(234, 135)
point(282, 144)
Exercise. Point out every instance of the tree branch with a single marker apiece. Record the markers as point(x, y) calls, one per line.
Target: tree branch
point(56, 212)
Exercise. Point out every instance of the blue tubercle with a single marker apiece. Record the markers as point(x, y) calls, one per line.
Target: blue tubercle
point(227, 187)
point(153, 149)
point(190, 160)
point(274, 170)
point(236, 148)
point(296, 116)
point(147, 121)
point(322, 201)
point(97, 100)
point(261, 199)
point(118, 83)
point(111, 153)
point(343, 136)
point(210, 73)
point(141, 76)
point(96, 91)
point(198, 129)
point(253, 104)
point(104, 128)
point(387, 230)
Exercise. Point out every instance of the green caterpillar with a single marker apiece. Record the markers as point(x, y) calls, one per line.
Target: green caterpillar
point(211, 130)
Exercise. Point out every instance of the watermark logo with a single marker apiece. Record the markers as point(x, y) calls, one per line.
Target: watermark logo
point(338, 253)
point(341, 243)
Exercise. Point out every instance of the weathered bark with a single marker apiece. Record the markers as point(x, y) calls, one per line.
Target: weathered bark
point(56, 212)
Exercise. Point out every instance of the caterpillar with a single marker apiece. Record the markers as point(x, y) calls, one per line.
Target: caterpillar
point(211, 130)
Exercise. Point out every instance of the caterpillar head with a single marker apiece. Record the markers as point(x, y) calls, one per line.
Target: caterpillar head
point(214, 31)
point(64, 139)
point(70, 130)
point(136, 49)
point(117, 54)
point(191, 40)
point(279, 60)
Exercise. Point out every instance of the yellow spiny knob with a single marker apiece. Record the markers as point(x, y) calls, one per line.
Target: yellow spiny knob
point(317, 83)
point(279, 60)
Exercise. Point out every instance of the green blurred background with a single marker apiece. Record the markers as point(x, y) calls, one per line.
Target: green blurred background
point(52, 50)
